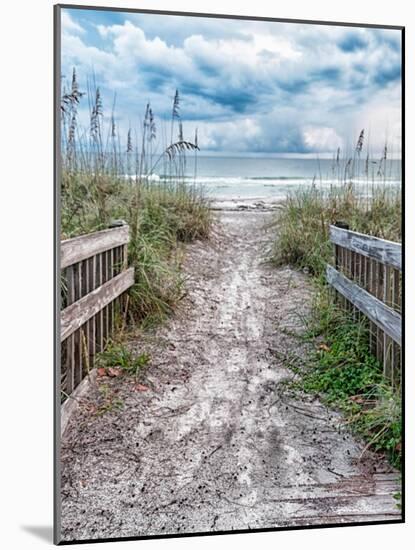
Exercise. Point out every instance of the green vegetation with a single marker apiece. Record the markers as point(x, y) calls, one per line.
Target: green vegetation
point(108, 401)
point(164, 216)
point(342, 370)
point(302, 225)
point(117, 355)
point(107, 176)
point(347, 376)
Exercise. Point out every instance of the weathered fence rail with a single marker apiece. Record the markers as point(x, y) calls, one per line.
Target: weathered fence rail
point(367, 276)
point(94, 278)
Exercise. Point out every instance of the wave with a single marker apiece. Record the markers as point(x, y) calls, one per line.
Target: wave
point(259, 181)
point(238, 179)
point(154, 178)
point(244, 182)
point(282, 178)
point(278, 179)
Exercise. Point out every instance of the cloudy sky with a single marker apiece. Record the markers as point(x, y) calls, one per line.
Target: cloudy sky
point(250, 87)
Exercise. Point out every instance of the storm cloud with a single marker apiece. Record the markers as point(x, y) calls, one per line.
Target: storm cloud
point(249, 86)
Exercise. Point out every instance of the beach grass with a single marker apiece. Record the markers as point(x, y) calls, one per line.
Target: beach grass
point(302, 224)
point(107, 176)
point(341, 369)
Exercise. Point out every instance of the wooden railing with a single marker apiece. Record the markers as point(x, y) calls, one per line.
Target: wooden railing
point(367, 276)
point(94, 276)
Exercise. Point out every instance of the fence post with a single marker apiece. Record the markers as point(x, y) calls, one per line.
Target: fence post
point(341, 225)
point(338, 263)
point(121, 303)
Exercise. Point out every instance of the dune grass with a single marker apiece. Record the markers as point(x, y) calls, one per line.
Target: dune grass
point(341, 369)
point(302, 224)
point(160, 220)
point(107, 176)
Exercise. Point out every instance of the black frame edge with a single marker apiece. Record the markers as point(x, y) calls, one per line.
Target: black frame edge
point(227, 16)
point(56, 267)
point(403, 192)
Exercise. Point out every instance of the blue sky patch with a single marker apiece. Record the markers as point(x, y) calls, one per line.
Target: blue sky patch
point(249, 86)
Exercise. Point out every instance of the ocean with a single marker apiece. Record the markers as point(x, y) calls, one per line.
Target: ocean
point(269, 179)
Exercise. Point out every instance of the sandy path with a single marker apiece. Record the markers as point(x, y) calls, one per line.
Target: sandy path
point(217, 443)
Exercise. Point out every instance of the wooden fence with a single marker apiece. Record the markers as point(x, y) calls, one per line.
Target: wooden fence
point(367, 276)
point(94, 276)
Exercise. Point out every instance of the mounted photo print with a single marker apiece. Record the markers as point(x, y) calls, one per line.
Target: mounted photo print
point(229, 274)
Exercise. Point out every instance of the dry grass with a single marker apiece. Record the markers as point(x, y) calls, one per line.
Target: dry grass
point(343, 371)
point(103, 180)
point(301, 226)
